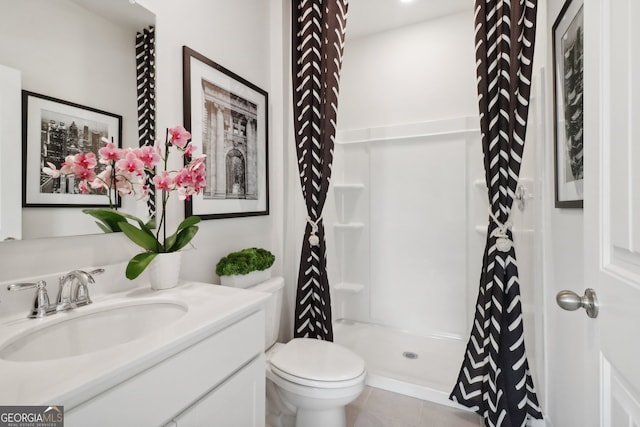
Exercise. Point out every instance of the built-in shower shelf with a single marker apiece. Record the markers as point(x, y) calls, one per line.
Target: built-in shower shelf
point(348, 187)
point(348, 225)
point(348, 288)
point(480, 183)
point(482, 229)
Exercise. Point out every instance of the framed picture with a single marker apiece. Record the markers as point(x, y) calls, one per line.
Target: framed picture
point(568, 82)
point(53, 129)
point(227, 118)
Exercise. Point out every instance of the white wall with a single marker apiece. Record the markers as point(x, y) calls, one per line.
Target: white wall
point(407, 75)
point(237, 35)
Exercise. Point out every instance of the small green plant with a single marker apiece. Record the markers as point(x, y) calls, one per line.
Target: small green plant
point(245, 261)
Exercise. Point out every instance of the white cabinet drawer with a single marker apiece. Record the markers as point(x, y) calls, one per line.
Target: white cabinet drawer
point(154, 396)
point(238, 402)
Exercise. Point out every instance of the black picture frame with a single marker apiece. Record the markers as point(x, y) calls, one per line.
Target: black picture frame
point(228, 120)
point(53, 128)
point(568, 102)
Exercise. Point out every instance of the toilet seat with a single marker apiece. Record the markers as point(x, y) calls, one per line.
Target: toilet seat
point(316, 363)
point(317, 384)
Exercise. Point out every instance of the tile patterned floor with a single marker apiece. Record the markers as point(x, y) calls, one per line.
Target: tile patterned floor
point(381, 408)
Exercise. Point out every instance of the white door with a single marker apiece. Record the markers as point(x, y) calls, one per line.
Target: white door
point(612, 212)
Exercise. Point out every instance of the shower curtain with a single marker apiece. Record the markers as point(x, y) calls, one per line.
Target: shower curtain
point(146, 82)
point(494, 379)
point(318, 32)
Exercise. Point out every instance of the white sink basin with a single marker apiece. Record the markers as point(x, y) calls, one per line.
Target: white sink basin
point(91, 332)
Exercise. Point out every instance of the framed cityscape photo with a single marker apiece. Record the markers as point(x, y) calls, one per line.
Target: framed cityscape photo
point(568, 59)
point(228, 121)
point(53, 129)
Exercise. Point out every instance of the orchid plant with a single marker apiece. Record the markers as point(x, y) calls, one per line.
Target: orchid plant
point(124, 172)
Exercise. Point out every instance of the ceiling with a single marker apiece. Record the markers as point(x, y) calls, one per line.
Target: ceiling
point(367, 17)
point(123, 12)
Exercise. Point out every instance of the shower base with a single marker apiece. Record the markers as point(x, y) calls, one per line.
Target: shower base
point(422, 367)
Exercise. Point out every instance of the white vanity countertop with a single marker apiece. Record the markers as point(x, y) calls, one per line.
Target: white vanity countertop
point(71, 380)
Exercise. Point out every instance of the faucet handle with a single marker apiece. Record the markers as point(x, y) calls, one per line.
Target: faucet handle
point(41, 305)
point(82, 291)
point(22, 286)
point(96, 272)
point(80, 296)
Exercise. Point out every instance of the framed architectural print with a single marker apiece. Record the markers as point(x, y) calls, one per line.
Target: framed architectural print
point(568, 49)
point(228, 121)
point(53, 129)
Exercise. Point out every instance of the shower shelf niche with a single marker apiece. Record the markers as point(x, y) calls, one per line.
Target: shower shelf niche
point(350, 228)
point(482, 229)
point(348, 187)
point(348, 288)
point(348, 225)
point(480, 183)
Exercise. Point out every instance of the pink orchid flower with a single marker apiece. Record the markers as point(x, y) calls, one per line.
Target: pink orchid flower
point(198, 164)
point(123, 186)
point(66, 168)
point(103, 179)
point(130, 164)
point(84, 174)
point(85, 160)
point(109, 153)
point(83, 187)
point(198, 182)
point(179, 136)
point(185, 193)
point(149, 156)
point(163, 181)
point(182, 178)
point(189, 149)
point(52, 171)
point(143, 190)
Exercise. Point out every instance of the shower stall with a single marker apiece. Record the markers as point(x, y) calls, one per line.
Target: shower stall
point(407, 212)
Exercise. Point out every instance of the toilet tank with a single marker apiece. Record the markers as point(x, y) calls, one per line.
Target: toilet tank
point(273, 309)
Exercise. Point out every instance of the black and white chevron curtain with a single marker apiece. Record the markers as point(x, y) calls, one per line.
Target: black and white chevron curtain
point(494, 379)
point(318, 31)
point(146, 83)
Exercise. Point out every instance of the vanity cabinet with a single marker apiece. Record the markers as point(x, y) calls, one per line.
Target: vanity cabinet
point(218, 381)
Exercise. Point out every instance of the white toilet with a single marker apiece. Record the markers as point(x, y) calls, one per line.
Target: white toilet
point(309, 381)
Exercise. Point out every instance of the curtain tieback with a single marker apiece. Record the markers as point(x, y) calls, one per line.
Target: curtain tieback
point(503, 242)
point(314, 240)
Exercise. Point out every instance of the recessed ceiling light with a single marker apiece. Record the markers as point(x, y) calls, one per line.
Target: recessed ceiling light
point(406, 1)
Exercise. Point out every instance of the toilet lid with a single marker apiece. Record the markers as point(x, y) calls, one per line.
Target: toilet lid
point(317, 360)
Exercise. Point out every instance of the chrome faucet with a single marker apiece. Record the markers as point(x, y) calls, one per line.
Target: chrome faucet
point(74, 291)
point(41, 305)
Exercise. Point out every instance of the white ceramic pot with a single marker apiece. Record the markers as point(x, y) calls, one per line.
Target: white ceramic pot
point(246, 280)
point(164, 270)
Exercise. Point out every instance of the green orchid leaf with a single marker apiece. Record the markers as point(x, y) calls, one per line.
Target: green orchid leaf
point(143, 238)
point(138, 263)
point(148, 226)
point(188, 222)
point(171, 240)
point(183, 238)
point(104, 227)
point(151, 224)
point(108, 217)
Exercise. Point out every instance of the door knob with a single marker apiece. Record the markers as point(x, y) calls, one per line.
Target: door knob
point(571, 301)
